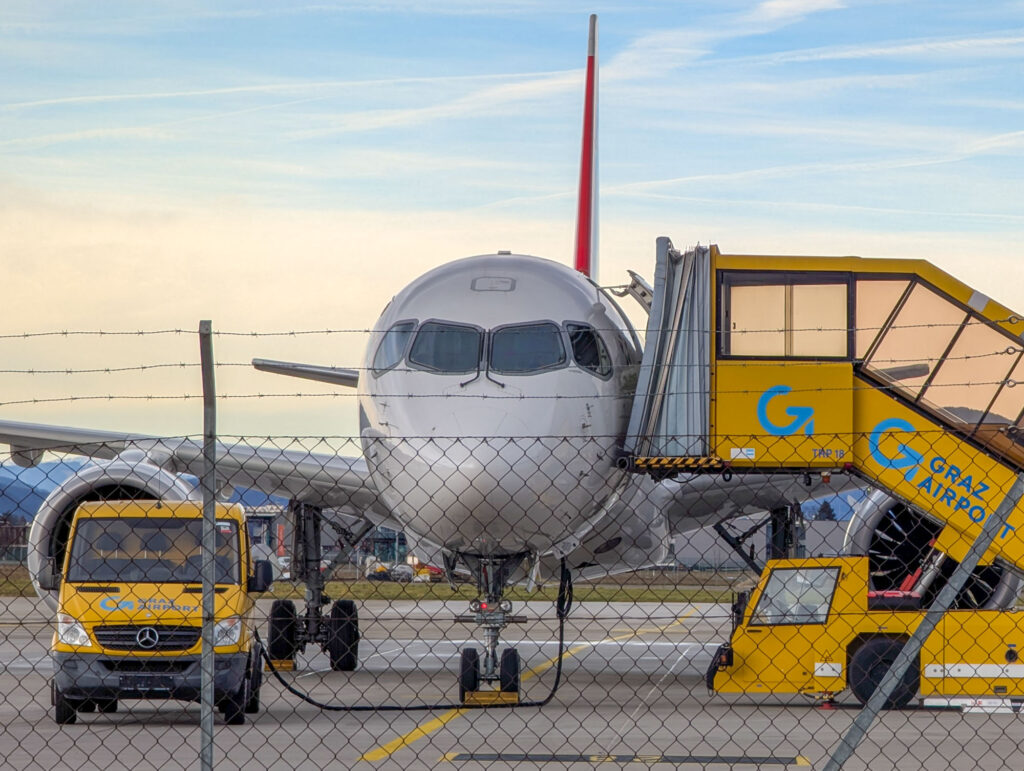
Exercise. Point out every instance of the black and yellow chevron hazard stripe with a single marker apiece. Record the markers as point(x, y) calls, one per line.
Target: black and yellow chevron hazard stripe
point(689, 463)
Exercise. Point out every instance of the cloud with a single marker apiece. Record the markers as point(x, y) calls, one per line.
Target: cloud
point(974, 47)
point(90, 135)
point(791, 10)
point(665, 50)
point(481, 102)
point(272, 88)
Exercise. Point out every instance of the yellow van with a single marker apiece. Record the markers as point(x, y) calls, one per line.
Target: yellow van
point(129, 614)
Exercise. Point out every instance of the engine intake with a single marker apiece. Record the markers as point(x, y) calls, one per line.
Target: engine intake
point(117, 479)
point(897, 541)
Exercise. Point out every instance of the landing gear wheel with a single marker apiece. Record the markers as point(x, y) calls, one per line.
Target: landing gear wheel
point(233, 706)
point(469, 673)
point(343, 636)
point(508, 671)
point(869, 665)
point(65, 710)
point(252, 703)
point(281, 636)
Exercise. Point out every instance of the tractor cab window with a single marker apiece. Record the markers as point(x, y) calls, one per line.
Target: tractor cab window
point(796, 596)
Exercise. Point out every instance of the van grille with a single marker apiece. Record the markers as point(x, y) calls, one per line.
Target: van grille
point(126, 638)
point(159, 666)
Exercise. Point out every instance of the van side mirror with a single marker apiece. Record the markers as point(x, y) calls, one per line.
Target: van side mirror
point(48, 578)
point(262, 576)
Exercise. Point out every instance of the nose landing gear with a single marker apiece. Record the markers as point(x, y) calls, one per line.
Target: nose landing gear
point(492, 614)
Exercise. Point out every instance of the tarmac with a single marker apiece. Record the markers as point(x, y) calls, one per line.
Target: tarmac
point(632, 694)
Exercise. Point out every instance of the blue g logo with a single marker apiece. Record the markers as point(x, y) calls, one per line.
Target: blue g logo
point(908, 457)
point(116, 603)
point(802, 416)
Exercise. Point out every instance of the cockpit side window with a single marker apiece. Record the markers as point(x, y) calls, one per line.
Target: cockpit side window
point(588, 349)
point(526, 348)
point(446, 348)
point(392, 346)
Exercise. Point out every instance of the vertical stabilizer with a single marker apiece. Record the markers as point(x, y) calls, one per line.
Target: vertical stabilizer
point(586, 213)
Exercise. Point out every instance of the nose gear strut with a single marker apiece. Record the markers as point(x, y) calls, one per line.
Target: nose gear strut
point(491, 613)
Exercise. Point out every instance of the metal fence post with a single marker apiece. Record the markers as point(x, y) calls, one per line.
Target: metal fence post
point(993, 524)
point(207, 483)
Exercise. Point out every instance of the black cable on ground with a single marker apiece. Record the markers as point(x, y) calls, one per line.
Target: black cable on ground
point(562, 608)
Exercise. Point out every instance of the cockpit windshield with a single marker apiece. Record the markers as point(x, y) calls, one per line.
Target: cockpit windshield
point(526, 348)
point(151, 550)
point(446, 348)
point(392, 346)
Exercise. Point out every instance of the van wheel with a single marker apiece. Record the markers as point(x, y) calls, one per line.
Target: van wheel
point(281, 636)
point(343, 636)
point(868, 666)
point(252, 703)
point(233, 707)
point(65, 710)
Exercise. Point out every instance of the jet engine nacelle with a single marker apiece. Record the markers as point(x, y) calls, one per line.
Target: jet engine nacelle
point(897, 540)
point(127, 477)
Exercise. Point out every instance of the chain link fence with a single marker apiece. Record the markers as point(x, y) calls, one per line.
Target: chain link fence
point(492, 602)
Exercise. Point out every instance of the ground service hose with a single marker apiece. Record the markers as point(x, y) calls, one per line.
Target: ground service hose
point(562, 607)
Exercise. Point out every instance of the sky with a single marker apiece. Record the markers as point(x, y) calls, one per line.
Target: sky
point(283, 167)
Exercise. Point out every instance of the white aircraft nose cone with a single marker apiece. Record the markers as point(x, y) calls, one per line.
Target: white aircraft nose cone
point(492, 495)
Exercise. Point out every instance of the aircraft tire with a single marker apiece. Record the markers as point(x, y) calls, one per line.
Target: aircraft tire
point(65, 711)
point(282, 631)
point(469, 672)
point(868, 666)
point(343, 636)
point(508, 670)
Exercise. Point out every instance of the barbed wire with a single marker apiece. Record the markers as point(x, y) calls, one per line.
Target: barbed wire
point(1012, 319)
point(488, 396)
point(732, 359)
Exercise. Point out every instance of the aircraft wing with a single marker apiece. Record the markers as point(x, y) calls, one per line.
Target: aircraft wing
point(693, 502)
point(320, 479)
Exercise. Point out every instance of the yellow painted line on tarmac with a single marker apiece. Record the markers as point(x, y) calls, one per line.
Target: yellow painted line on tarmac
point(421, 731)
point(386, 750)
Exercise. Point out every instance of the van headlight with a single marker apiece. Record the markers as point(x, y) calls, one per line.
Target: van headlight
point(71, 632)
point(227, 632)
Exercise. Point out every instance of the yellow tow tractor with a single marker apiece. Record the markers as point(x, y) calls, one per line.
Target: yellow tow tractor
point(813, 626)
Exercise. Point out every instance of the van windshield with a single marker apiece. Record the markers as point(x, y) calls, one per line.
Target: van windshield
point(150, 550)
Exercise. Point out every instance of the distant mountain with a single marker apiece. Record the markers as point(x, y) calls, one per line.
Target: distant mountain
point(251, 498)
point(22, 490)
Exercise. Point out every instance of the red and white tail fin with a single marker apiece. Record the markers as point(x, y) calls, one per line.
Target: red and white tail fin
point(586, 213)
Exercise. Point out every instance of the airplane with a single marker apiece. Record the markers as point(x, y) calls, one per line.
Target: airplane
point(493, 400)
